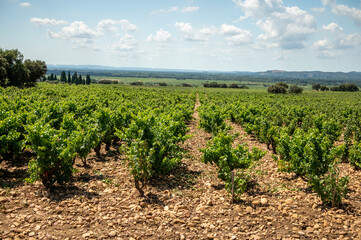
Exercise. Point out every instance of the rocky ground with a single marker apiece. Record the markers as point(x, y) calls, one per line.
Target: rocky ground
point(190, 203)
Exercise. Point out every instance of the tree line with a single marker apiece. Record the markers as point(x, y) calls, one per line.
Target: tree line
point(74, 79)
point(347, 87)
point(223, 85)
point(14, 71)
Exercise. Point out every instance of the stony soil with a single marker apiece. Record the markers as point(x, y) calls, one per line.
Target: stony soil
point(191, 203)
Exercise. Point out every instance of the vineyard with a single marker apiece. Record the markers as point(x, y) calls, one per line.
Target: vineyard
point(97, 162)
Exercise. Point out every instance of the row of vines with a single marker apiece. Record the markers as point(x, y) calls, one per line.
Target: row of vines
point(309, 135)
point(59, 123)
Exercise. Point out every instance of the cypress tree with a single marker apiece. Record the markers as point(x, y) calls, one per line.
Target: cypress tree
point(69, 79)
point(88, 80)
point(80, 79)
point(63, 77)
point(75, 78)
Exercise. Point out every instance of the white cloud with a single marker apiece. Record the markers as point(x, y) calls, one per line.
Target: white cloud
point(189, 9)
point(191, 34)
point(288, 27)
point(125, 43)
point(320, 10)
point(176, 9)
point(109, 25)
point(46, 21)
point(76, 30)
point(25, 4)
point(341, 39)
point(343, 10)
point(78, 33)
point(236, 35)
point(322, 44)
point(161, 36)
point(333, 27)
point(337, 42)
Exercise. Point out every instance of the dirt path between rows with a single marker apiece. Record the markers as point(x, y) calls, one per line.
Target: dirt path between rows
point(190, 203)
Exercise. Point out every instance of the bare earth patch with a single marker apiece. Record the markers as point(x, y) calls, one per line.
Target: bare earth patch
point(190, 203)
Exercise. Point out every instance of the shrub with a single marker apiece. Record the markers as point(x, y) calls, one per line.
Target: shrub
point(295, 89)
point(316, 87)
point(212, 119)
point(136, 83)
point(330, 187)
point(152, 145)
point(220, 152)
point(348, 87)
point(105, 81)
point(355, 156)
point(324, 88)
point(276, 89)
point(282, 84)
point(55, 154)
point(233, 85)
point(186, 85)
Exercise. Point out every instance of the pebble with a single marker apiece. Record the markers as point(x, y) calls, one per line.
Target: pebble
point(264, 201)
point(86, 235)
point(249, 209)
point(112, 234)
point(288, 201)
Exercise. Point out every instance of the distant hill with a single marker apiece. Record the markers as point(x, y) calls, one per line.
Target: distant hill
point(312, 75)
point(270, 76)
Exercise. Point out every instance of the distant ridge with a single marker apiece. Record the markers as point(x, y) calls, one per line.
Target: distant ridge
point(269, 73)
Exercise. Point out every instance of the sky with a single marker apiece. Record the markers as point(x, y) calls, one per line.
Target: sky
point(223, 35)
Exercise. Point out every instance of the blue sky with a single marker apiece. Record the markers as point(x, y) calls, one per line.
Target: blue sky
point(226, 35)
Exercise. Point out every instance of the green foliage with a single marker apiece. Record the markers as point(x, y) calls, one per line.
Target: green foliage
point(63, 77)
point(54, 154)
point(316, 86)
point(355, 156)
point(220, 152)
point(346, 87)
point(277, 89)
point(152, 144)
point(282, 84)
point(212, 119)
point(306, 153)
point(88, 80)
point(330, 187)
point(11, 137)
point(15, 72)
point(295, 89)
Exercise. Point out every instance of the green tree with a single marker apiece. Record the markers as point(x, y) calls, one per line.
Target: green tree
point(63, 77)
point(69, 79)
point(276, 89)
point(316, 87)
point(80, 79)
point(88, 80)
point(75, 78)
point(3, 67)
point(37, 70)
point(16, 73)
point(282, 84)
point(295, 89)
